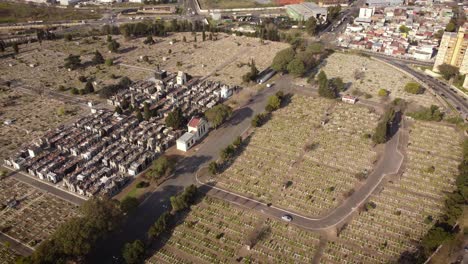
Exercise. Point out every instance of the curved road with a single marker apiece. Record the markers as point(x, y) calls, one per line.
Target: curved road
point(389, 164)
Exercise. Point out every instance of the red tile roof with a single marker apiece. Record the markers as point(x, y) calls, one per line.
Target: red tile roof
point(194, 122)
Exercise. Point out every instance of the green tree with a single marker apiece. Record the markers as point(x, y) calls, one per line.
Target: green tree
point(161, 167)
point(273, 103)
point(129, 204)
point(113, 46)
point(213, 167)
point(203, 35)
point(337, 83)
point(118, 110)
point(311, 26)
point(282, 59)
point(133, 253)
point(16, 48)
point(228, 152)
point(109, 62)
point(414, 88)
point(404, 29)
point(138, 114)
point(451, 26)
point(2, 46)
point(296, 67)
point(68, 37)
point(72, 61)
point(325, 90)
point(175, 119)
point(218, 114)
point(149, 40)
point(333, 12)
point(252, 74)
point(98, 58)
point(146, 111)
point(382, 92)
point(448, 71)
point(89, 88)
point(159, 226)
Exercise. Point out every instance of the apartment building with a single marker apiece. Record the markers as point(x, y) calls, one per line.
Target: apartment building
point(452, 50)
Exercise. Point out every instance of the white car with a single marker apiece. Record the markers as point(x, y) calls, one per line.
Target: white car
point(286, 218)
point(269, 85)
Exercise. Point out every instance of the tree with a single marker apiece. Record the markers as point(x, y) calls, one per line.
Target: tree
point(149, 40)
point(2, 46)
point(146, 111)
point(252, 75)
point(98, 58)
point(74, 91)
point(129, 204)
point(451, 26)
point(72, 62)
point(113, 46)
point(133, 253)
point(184, 39)
point(218, 114)
point(16, 48)
point(333, 12)
point(109, 38)
point(273, 103)
point(203, 35)
point(138, 114)
point(68, 37)
point(337, 83)
point(118, 110)
point(237, 142)
point(448, 71)
point(282, 59)
point(161, 167)
point(213, 167)
point(325, 90)
point(311, 26)
point(404, 29)
point(175, 119)
point(414, 88)
point(109, 62)
point(296, 67)
point(258, 119)
point(184, 199)
point(159, 226)
point(89, 88)
point(382, 93)
point(227, 152)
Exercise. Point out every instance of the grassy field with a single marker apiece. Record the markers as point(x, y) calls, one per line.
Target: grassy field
point(228, 4)
point(20, 12)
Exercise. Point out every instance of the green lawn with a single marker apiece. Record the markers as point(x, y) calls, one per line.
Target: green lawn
point(20, 12)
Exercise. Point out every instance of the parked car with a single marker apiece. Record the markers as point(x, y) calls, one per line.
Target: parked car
point(269, 85)
point(286, 218)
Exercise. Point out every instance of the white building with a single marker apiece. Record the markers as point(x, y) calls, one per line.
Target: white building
point(181, 78)
point(349, 99)
point(197, 128)
point(69, 2)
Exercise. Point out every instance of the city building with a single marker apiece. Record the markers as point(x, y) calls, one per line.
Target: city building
point(304, 11)
point(383, 3)
point(69, 2)
point(327, 3)
point(452, 50)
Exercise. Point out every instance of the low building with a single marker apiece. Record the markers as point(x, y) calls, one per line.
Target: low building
point(304, 11)
point(326, 3)
point(197, 128)
point(349, 99)
point(383, 3)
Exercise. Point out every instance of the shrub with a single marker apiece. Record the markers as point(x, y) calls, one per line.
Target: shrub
point(382, 93)
point(414, 88)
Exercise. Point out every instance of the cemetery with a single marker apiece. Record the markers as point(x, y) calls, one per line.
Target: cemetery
point(217, 232)
point(29, 215)
point(405, 209)
point(366, 76)
point(306, 157)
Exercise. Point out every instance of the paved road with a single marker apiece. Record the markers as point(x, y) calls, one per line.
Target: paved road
point(47, 187)
point(389, 164)
point(437, 86)
point(157, 203)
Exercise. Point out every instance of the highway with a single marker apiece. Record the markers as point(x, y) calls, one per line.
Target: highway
point(439, 87)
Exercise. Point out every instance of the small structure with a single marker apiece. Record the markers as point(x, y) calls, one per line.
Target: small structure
point(181, 78)
point(197, 128)
point(304, 11)
point(349, 99)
